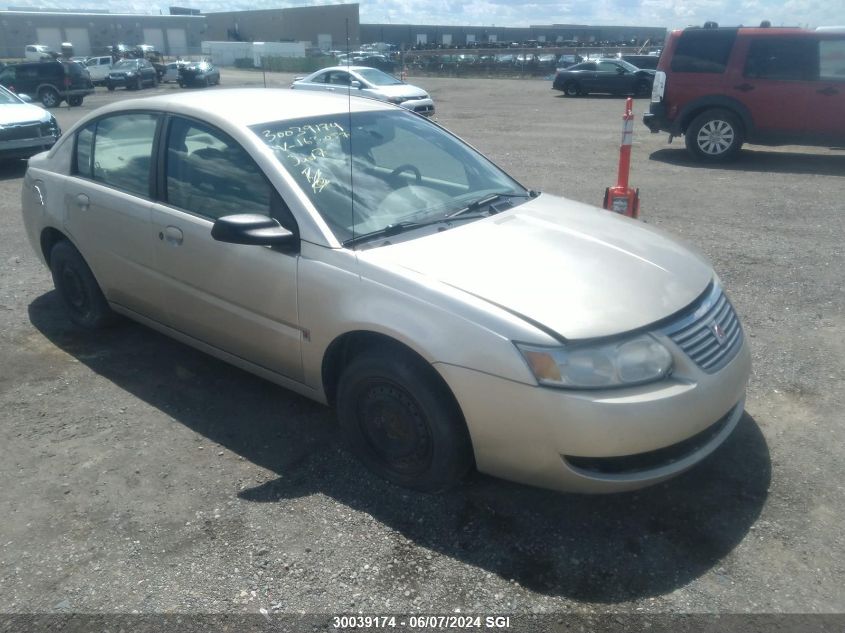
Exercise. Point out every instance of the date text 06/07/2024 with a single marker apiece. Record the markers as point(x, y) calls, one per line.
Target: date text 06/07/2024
point(421, 622)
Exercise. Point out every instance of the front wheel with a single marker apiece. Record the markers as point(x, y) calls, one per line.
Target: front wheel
point(139, 83)
point(75, 101)
point(110, 87)
point(714, 135)
point(78, 289)
point(572, 89)
point(402, 422)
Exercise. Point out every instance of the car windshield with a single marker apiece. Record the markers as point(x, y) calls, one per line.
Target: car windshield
point(7, 97)
point(367, 171)
point(377, 77)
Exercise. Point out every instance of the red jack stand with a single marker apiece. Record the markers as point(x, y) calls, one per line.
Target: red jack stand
point(623, 199)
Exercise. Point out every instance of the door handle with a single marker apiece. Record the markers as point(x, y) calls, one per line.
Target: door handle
point(172, 235)
point(82, 201)
point(828, 92)
point(744, 87)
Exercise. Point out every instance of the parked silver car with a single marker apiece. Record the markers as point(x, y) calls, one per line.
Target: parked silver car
point(25, 129)
point(367, 258)
point(363, 81)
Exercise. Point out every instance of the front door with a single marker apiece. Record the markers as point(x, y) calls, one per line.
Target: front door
point(240, 299)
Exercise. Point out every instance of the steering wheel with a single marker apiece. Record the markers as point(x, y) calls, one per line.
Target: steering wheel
point(407, 167)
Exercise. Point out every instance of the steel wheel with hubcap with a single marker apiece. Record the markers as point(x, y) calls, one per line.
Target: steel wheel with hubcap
point(402, 421)
point(571, 89)
point(714, 135)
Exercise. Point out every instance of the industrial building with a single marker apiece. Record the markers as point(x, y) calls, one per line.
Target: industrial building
point(93, 33)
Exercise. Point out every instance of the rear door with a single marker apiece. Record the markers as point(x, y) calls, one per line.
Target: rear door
point(107, 208)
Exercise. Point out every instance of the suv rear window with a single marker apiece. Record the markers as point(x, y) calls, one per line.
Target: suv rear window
point(703, 51)
point(784, 58)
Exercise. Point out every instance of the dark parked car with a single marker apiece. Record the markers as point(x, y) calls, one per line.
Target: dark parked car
point(51, 82)
point(613, 76)
point(132, 74)
point(25, 129)
point(198, 74)
point(565, 61)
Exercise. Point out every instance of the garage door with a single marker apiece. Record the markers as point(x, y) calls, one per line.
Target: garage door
point(79, 38)
point(50, 37)
point(177, 43)
point(155, 38)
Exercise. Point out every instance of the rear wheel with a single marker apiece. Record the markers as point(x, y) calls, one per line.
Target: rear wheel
point(110, 87)
point(49, 97)
point(642, 89)
point(714, 135)
point(402, 422)
point(78, 289)
point(75, 101)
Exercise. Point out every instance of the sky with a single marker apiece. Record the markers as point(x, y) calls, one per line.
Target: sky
point(668, 13)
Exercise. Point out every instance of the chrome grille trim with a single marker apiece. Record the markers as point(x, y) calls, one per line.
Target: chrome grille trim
point(695, 331)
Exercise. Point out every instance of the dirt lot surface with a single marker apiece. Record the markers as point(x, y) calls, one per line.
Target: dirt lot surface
point(139, 475)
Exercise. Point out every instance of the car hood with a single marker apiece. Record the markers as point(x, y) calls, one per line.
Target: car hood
point(401, 90)
point(579, 271)
point(15, 113)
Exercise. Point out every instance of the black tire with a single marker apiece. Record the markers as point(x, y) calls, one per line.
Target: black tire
point(642, 89)
point(110, 87)
point(714, 135)
point(49, 97)
point(74, 101)
point(78, 289)
point(139, 83)
point(205, 82)
point(571, 89)
point(402, 422)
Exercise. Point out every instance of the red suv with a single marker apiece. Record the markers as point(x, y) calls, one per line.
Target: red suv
point(720, 87)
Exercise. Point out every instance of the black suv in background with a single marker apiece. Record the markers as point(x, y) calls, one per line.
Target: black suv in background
point(131, 74)
point(51, 82)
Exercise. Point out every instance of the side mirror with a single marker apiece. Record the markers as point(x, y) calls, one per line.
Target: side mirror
point(620, 70)
point(25, 98)
point(355, 84)
point(252, 229)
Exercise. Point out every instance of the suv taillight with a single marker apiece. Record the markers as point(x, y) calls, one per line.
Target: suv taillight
point(658, 86)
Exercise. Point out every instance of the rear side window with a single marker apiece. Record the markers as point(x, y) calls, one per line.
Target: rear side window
point(703, 51)
point(832, 60)
point(783, 58)
point(123, 146)
point(84, 147)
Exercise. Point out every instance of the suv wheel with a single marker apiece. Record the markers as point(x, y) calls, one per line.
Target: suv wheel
point(714, 135)
point(75, 101)
point(49, 97)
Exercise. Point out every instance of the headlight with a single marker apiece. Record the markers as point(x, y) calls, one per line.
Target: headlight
point(130, 74)
point(618, 363)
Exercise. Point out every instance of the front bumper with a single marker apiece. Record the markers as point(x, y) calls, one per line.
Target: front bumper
point(600, 441)
point(29, 146)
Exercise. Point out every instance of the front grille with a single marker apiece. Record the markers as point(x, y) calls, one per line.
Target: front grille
point(20, 132)
point(710, 334)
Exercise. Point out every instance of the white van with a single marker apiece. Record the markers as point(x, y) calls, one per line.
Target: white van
point(37, 52)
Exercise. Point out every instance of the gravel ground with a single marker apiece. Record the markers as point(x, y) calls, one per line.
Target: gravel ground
point(139, 475)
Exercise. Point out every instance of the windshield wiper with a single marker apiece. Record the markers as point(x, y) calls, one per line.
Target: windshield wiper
point(400, 227)
point(489, 199)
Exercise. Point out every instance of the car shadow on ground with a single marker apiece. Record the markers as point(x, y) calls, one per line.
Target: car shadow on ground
point(11, 169)
point(768, 161)
point(604, 549)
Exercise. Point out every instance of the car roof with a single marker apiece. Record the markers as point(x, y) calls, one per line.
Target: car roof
point(345, 67)
point(250, 106)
